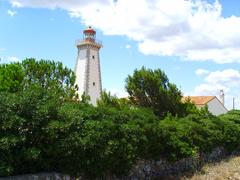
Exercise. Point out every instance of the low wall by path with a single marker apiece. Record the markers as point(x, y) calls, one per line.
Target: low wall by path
point(39, 176)
point(162, 168)
point(144, 169)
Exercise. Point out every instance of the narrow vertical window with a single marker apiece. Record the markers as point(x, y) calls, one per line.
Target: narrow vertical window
point(93, 57)
point(93, 83)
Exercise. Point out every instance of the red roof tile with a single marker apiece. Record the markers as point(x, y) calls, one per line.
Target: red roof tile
point(199, 100)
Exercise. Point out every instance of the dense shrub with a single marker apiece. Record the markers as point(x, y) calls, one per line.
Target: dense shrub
point(42, 128)
point(80, 139)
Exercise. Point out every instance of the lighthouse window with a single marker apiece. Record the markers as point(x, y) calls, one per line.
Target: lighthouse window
point(93, 57)
point(93, 83)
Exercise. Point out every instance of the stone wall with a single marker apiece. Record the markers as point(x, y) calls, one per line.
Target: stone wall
point(40, 176)
point(162, 168)
point(145, 169)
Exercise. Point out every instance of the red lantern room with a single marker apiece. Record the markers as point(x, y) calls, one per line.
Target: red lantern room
point(89, 34)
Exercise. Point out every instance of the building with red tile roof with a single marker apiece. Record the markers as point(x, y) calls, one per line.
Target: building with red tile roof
point(215, 106)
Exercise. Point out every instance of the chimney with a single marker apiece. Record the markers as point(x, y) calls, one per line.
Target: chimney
point(233, 103)
point(222, 96)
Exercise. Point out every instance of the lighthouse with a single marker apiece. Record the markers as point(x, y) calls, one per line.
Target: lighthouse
point(87, 69)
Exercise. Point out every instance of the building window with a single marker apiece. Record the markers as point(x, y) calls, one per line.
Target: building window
point(93, 57)
point(93, 83)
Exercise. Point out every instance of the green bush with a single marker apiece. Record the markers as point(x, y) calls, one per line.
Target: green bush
point(43, 127)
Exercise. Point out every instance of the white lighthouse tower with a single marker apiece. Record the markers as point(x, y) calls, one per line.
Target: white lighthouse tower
point(87, 69)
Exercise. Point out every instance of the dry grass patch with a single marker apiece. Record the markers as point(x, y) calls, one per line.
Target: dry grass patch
point(227, 169)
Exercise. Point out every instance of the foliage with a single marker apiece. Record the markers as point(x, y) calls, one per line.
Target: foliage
point(50, 75)
point(151, 88)
point(43, 128)
point(28, 101)
point(11, 77)
point(107, 100)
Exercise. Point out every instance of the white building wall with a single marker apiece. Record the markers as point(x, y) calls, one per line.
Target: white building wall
point(94, 82)
point(88, 75)
point(80, 70)
point(216, 107)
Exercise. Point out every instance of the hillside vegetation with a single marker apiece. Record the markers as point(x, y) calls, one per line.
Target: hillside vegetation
point(44, 127)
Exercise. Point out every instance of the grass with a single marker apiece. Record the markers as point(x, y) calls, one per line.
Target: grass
point(226, 169)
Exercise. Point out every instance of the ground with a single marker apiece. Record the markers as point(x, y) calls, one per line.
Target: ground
point(228, 169)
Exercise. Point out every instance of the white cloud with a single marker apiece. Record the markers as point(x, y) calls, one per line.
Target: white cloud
point(9, 59)
point(208, 89)
point(229, 77)
point(11, 13)
point(201, 72)
point(16, 4)
point(128, 46)
point(227, 80)
point(193, 30)
point(13, 59)
point(118, 92)
point(70, 5)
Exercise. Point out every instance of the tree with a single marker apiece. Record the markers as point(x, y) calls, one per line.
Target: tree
point(11, 77)
point(50, 75)
point(31, 92)
point(151, 88)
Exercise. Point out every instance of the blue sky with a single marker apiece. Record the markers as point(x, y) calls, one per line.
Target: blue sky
point(196, 43)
